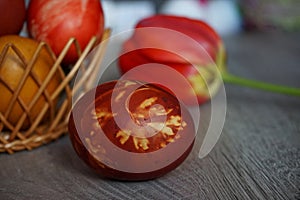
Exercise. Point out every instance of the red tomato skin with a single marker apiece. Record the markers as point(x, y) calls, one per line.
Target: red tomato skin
point(55, 22)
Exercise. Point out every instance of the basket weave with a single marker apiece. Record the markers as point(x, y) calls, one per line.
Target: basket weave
point(13, 138)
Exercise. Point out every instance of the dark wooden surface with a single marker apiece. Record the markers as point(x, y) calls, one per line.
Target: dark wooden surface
point(257, 156)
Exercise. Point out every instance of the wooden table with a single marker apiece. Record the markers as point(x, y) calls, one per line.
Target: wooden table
point(257, 156)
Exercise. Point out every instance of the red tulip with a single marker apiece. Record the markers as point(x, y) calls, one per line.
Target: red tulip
point(191, 47)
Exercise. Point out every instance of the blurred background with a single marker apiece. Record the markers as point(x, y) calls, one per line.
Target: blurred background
point(228, 17)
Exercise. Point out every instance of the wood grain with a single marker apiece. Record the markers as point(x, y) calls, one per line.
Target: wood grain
point(257, 156)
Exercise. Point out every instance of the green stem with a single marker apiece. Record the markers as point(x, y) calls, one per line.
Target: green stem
point(229, 78)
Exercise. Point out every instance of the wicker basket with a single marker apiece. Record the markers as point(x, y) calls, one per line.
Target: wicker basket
point(13, 138)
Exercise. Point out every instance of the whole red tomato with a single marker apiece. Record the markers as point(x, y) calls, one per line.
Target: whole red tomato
point(56, 21)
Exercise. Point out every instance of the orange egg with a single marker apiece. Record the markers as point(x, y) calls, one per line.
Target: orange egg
point(12, 69)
